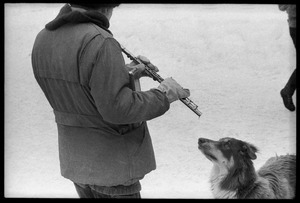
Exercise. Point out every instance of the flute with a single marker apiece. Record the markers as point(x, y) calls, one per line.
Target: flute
point(188, 102)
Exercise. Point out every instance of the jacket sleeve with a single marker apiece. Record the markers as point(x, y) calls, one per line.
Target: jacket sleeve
point(115, 100)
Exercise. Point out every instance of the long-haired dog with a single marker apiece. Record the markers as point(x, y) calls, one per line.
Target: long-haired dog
point(234, 176)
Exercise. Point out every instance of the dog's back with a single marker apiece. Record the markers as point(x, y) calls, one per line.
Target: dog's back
point(281, 175)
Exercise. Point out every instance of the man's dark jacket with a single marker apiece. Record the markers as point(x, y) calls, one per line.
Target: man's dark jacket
point(102, 131)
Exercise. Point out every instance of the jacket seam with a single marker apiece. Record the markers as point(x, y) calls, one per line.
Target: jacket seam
point(75, 113)
point(85, 47)
point(97, 28)
point(89, 41)
point(53, 78)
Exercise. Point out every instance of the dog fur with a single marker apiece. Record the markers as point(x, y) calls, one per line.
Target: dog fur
point(234, 176)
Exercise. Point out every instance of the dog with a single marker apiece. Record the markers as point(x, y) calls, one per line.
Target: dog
point(233, 175)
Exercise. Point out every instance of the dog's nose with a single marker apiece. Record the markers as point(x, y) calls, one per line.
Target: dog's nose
point(201, 140)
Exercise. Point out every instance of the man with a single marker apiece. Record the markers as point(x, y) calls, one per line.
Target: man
point(290, 87)
point(104, 143)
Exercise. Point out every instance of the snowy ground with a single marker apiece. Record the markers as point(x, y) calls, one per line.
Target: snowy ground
point(234, 59)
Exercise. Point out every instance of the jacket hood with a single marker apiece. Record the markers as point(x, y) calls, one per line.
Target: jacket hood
point(66, 15)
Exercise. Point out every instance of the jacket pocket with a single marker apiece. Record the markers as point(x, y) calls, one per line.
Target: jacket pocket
point(134, 139)
point(140, 151)
point(143, 160)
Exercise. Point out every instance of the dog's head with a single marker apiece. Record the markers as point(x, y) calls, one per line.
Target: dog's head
point(227, 150)
point(232, 161)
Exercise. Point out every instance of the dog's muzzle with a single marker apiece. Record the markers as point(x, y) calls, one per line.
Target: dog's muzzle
point(203, 143)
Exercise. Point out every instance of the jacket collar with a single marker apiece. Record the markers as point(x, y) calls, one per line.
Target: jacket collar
point(67, 15)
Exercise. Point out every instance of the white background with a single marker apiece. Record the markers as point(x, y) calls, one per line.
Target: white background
point(235, 59)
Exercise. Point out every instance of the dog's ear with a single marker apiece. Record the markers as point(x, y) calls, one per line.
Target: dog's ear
point(249, 150)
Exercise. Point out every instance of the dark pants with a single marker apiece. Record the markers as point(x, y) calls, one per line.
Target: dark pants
point(291, 84)
point(293, 35)
point(85, 191)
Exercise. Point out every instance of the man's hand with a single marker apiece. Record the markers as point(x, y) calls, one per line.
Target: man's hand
point(138, 70)
point(173, 90)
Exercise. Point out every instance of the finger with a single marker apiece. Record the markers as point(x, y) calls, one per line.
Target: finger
point(132, 63)
point(143, 59)
point(154, 68)
point(139, 69)
point(184, 93)
point(128, 67)
point(149, 64)
point(187, 91)
point(132, 70)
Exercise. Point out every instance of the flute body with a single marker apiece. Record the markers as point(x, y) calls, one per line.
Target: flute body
point(188, 102)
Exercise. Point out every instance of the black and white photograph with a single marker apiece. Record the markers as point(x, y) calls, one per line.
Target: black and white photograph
point(150, 101)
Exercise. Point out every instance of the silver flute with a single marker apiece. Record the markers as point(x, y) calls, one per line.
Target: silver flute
point(189, 103)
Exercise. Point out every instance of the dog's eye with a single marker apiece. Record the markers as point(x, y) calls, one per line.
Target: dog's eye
point(227, 145)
